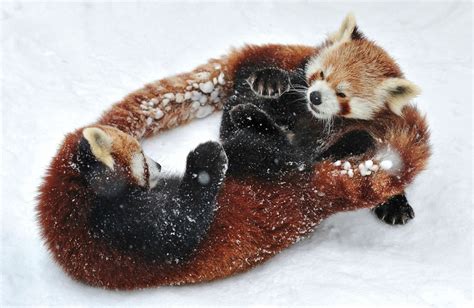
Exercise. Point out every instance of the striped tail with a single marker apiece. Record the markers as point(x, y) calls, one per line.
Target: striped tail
point(176, 100)
point(171, 101)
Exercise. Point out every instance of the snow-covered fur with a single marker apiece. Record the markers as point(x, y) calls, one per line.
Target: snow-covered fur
point(280, 120)
point(102, 191)
point(254, 218)
point(355, 77)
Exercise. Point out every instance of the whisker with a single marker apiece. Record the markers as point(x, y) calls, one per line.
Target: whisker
point(297, 100)
point(299, 87)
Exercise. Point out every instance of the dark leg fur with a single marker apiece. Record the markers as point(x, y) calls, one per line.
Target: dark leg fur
point(257, 146)
point(351, 144)
point(253, 126)
point(395, 211)
point(253, 139)
point(167, 223)
point(249, 116)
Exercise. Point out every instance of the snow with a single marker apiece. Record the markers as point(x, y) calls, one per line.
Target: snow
point(63, 64)
point(386, 164)
point(203, 178)
point(206, 87)
point(369, 164)
point(346, 165)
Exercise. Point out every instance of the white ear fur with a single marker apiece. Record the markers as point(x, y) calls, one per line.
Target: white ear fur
point(397, 92)
point(345, 31)
point(101, 145)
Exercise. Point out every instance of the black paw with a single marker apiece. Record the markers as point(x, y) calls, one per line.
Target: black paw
point(207, 163)
point(269, 82)
point(396, 211)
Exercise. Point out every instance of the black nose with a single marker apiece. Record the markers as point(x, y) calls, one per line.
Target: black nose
point(315, 98)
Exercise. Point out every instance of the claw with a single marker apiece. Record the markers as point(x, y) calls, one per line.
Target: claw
point(270, 91)
point(278, 86)
point(251, 80)
point(260, 88)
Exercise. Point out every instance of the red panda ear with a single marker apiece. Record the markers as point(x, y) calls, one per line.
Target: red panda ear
point(397, 92)
point(347, 31)
point(100, 144)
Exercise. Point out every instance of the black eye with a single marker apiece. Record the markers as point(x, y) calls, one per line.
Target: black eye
point(340, 94)
point(322, 75)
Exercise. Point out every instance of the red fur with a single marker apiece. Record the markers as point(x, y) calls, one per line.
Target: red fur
point(127, 115)
point(255, 219)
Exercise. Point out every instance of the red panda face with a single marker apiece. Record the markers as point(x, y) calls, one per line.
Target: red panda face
point(120, 156)
point(354, 78)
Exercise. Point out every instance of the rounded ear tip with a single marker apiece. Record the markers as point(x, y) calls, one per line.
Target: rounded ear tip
point(91, 131)
point(97, 137)
point(416, 89)
point(350, 18)
point(346, 29)
point(100, 145)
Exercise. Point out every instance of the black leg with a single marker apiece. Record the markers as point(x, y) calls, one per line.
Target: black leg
point(195, 203)
point(395, 211)
point(167, 223)
point(249, 116)
point(205, 171)
point(353, 143)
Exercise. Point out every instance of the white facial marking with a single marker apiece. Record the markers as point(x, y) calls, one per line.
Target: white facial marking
point(328, 71)
point(329, 104)
point(138, 168)
point(316, 62)
point(363, 109)
point(343, 87)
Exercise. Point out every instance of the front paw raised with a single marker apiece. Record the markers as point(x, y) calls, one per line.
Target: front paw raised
point(249, 116)
point(269, 82)
point(207, 163)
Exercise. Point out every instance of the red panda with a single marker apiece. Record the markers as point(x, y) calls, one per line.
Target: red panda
point(354, 78)
point(247, 227)
point(330, 97)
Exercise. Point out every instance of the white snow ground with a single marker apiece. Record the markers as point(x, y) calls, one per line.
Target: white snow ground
point(65, 63)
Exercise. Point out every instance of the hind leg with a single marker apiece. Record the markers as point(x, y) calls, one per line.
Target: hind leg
point(192, 209)
point(395, 211)
point(205, 170)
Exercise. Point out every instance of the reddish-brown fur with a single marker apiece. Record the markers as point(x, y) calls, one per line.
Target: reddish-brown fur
point(255, 219)
point(127, 115)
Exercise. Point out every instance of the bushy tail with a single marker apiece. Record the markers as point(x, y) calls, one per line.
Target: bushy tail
point(171, 101)
point(402, 154)
point(176, 100)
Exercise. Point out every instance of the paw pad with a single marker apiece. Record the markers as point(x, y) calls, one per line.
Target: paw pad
point(203, 178)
